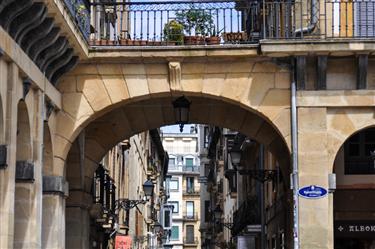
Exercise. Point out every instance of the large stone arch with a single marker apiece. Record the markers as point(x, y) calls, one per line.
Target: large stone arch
point(256, 88)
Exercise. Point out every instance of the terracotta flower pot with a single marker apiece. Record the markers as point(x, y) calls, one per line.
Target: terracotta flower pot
point(123, 42)
point(130, 42)
point(213, 40)
point(137, 43)
point(190, 40)
point(103, 42)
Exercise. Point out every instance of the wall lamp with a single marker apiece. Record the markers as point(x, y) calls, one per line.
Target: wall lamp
point(126, 204)
point(257, 174)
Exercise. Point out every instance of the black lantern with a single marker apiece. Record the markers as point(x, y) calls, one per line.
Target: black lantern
point(164, 238)
point(235, 157)
point(148, 188)
point(181, 109)
point(158, 228)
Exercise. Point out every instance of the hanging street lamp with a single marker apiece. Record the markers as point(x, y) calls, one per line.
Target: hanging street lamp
point(148, 188)
point(181, 109)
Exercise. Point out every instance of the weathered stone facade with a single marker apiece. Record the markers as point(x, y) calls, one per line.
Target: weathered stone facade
point(112, 95)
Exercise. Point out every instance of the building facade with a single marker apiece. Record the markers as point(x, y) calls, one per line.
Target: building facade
point(120, 206)
point(183, 167)
point(245, 202)
point(294, 76)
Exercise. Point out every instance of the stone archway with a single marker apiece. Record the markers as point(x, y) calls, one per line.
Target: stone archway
point(106, 103)
point(342, 125)
point(355, 178)
point(96, 89)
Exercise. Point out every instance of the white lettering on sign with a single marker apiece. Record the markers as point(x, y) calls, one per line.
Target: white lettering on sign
point(367, 228)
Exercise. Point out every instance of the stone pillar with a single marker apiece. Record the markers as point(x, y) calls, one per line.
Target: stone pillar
point(315, 215)
point(7, 176)
point(28, 190)
point(77, 220)
point(53, 216)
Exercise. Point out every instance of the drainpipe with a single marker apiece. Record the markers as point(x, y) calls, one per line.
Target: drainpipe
point(313, 20)
point(262, 204)
point(294, 175)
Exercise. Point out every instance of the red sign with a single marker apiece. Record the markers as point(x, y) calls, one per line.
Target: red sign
point(123, 242)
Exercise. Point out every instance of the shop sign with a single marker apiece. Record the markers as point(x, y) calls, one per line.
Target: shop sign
point(355, 228)
point(123, 242)
point(312, 192)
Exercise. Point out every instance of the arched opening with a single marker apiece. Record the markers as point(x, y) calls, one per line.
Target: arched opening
point(2, 131)
point(47, 151)
point(353, 205)
point(123, 122)
point(24, 189)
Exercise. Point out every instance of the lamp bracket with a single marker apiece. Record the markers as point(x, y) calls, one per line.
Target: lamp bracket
point(127, 204)
point(259, 175)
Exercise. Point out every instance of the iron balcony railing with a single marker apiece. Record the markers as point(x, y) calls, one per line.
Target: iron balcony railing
point(192, 191)
point(184, 168)
point(191, 240)
point(209, 22)
point(80, 12)
point(190, 216)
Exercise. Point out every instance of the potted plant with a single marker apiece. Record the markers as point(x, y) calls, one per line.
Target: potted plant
point(214, 37)
point(174, 32)
point(196, 22)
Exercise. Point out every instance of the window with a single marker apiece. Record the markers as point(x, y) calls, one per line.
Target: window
point(174, 233)
point(173, 184)
point(189, 234)
point(175, 206)
point(190, 184)
point(205, 134)
point(358, 153)
point(189, 161)
point(190, 209)
point(281, 240)
point(172, 161)
point(167, 218)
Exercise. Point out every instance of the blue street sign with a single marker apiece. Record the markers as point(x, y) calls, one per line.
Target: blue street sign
point(312, 192)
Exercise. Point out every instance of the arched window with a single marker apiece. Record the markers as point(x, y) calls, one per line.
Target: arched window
point(359, 153)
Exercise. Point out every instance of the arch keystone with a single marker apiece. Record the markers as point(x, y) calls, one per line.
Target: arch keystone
point(175, 75)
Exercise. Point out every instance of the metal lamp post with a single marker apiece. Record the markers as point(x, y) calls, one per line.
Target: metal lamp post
point(181, 109)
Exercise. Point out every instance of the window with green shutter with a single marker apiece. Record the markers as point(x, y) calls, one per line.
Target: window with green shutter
point(174, 233)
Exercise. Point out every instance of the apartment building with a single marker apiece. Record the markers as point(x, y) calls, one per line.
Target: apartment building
point(121, 207)
point(184, 187)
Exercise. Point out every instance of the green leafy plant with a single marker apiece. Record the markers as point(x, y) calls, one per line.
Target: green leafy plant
point(199, 21)
point(173, 31)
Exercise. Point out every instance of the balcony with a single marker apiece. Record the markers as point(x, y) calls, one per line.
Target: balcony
point(224, 22)
point(191, 192)
point(80, 12)
point(190, 216)
point(184, 169)
point(191, 241)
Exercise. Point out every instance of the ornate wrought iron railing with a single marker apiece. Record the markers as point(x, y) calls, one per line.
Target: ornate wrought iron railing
point(209, 22)
point(80, 12)
point(170, 23)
